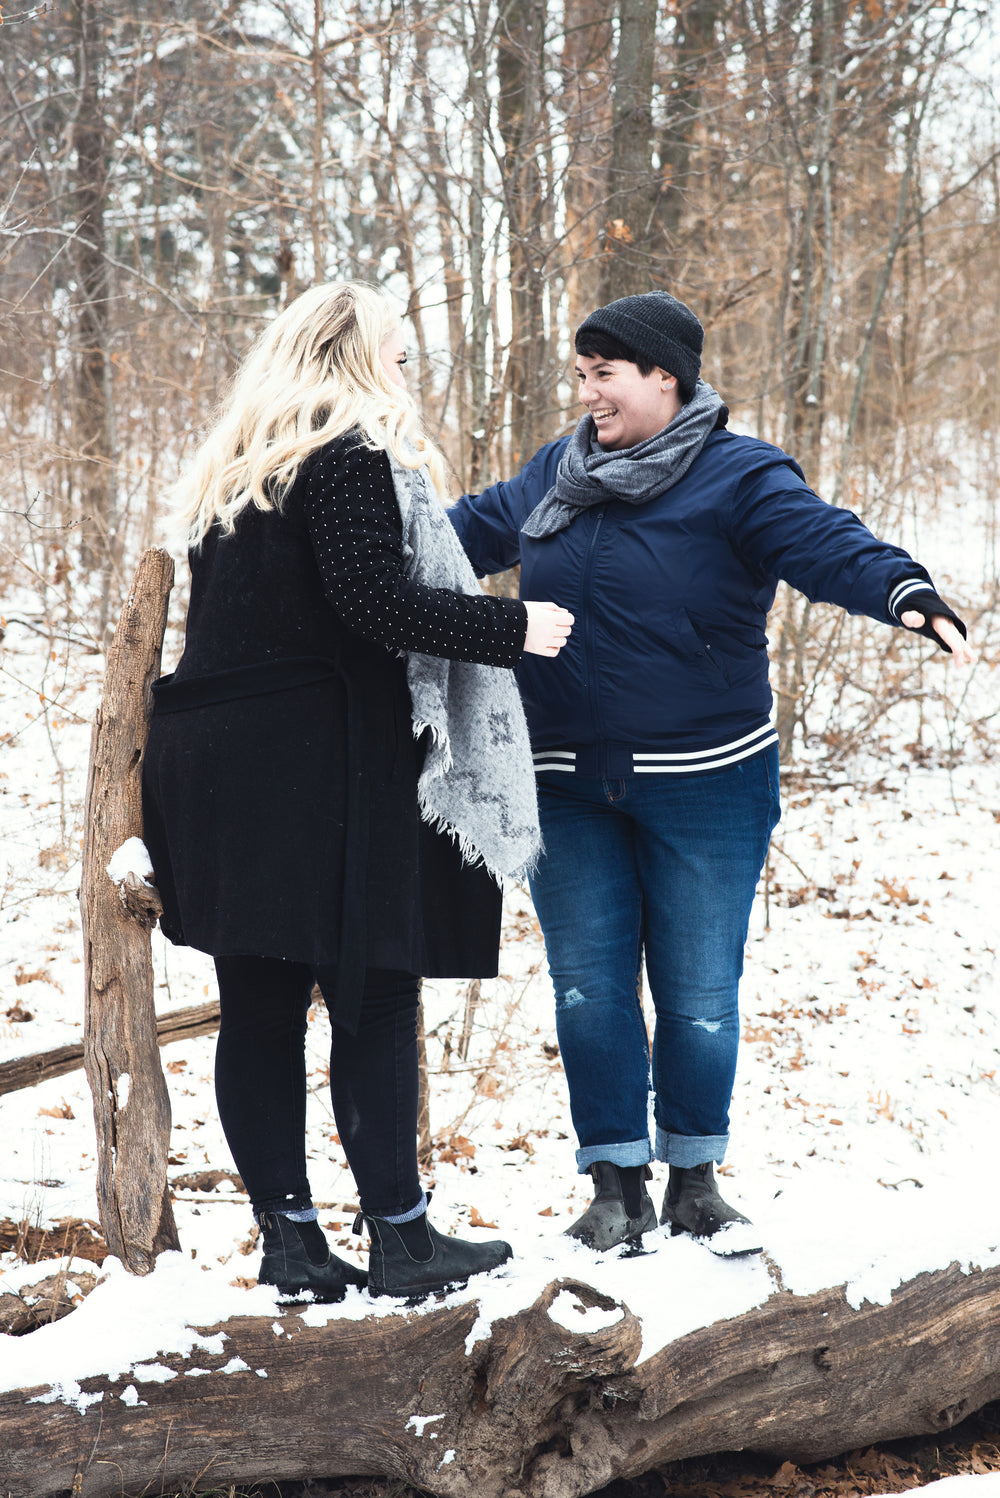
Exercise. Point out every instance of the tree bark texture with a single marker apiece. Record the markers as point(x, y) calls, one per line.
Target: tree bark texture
point(534, 1410)
point(94, 418)
point(131, 1105)
point(693, 60)
point(585, 75)
point(520, 115)
point(630, 264)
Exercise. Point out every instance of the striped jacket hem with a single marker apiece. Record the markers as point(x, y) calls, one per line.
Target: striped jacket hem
point(656, 761)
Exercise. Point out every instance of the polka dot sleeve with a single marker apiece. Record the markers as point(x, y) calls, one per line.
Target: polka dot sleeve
point(356, 533)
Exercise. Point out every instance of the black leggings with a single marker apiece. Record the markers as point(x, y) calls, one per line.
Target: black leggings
point(260, 1084)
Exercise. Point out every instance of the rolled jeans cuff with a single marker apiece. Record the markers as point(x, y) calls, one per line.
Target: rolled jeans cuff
point(633, 1152)
point(292, 1205)
point(686, 1150)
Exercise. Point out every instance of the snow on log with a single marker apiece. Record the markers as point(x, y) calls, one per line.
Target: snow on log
point(131, 1105)
point(535, 1409)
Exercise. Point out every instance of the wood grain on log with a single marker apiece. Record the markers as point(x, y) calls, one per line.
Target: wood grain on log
point(131, 1104)
point(27, 1071)
point(531, 1411)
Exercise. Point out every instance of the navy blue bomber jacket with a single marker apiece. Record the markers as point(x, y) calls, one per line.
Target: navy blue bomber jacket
point(666, 670)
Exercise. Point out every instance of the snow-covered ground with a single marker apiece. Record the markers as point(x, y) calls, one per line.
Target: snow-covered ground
point(865, 1112)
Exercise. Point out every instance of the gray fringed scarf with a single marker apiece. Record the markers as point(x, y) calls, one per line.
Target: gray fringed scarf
point(478, 781)
point(588, 475)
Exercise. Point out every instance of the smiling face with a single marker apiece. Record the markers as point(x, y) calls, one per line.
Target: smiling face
point(627, 407)
point(393, 357)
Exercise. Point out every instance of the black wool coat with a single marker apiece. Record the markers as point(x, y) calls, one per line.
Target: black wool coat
point(279, 780)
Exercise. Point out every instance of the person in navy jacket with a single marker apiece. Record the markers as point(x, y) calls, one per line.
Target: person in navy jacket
point(656, 758)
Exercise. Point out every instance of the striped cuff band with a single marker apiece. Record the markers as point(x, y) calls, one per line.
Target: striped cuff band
point(903, 590)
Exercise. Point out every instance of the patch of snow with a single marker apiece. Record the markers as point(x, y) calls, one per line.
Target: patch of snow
point(153, 1373)
point(68, 1392)
point(569, 1312)
point(418, 1423)
point(132, 857)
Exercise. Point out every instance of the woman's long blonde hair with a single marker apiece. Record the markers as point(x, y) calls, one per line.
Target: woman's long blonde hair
point(313, 374)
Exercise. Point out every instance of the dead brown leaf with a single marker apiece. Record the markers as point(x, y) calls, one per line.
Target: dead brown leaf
point(787, 1476)
point(61, 1110)
point(456, 1148)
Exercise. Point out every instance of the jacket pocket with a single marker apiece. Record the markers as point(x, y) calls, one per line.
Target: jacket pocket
point(678, 631)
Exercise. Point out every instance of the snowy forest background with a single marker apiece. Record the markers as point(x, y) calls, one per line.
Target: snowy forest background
point(820, 181)
point(817, 178)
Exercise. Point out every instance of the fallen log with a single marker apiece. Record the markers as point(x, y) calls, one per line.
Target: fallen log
point(41, 1066)
point(533, 1410)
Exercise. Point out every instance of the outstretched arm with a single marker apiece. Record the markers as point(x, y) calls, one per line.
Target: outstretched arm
point(828, 554)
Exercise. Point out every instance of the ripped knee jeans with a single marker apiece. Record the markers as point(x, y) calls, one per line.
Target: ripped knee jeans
point(664, 869)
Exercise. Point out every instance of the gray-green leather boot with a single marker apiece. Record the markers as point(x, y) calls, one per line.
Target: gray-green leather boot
point(621, 1210)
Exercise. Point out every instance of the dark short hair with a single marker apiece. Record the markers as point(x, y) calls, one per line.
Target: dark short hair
point(596, 344)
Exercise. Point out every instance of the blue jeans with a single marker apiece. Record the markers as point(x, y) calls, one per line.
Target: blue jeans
point(667, 866)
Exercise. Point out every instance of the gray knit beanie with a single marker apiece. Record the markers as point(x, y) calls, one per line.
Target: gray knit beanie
point(657, 326)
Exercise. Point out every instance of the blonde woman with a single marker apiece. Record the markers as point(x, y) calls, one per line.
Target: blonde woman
point(338, 773)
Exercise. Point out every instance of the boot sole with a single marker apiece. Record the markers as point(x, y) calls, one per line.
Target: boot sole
point(297, 1294)
point(413, 1294)
point(322, 1294)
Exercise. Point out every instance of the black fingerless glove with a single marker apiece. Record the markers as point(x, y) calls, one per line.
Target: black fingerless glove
point(925, 601)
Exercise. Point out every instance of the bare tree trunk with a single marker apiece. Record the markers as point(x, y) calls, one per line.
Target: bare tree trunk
point(586, 76)
point(94, 406)
point(472, 994)
point(695, 22)
point(628, 265)
point(520, 70)
point(791, 670)
point(914, 134)
point(131, 1104)
point(442, 186)
point(482, 406)
point(317, 194)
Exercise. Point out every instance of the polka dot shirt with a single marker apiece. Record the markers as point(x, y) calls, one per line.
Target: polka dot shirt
point(356, 532)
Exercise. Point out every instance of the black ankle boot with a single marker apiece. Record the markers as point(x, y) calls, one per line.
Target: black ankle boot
point(693, 1204)
point(414, 1259)
point(297, 1259)
point(621, 1210)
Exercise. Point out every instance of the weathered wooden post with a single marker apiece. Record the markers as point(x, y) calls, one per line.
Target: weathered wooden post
point(131, 1103)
